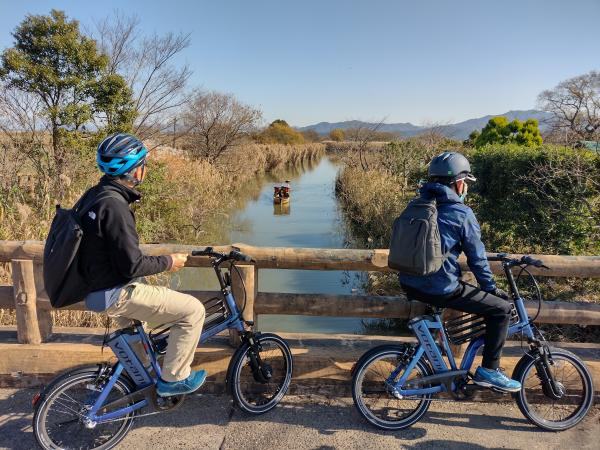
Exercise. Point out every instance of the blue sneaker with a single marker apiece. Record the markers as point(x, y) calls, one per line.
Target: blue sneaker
point(495, 379)
point(187, 386)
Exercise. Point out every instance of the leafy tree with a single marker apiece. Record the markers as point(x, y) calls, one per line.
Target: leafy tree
point(279, 132)
point(337, 134)
point(53, 61)
point(500, 131)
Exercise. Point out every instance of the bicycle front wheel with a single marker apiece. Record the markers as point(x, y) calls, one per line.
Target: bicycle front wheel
point(373, 395)
point(260, 375)
point(539, 404)
point(59, 419)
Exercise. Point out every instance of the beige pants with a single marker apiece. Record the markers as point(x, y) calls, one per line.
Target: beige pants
point(159, 305)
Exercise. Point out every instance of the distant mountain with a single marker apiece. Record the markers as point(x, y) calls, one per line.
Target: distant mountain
point(407, 129)
point(459, 130)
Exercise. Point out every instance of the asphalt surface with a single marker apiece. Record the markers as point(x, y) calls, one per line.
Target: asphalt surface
point(316, 422)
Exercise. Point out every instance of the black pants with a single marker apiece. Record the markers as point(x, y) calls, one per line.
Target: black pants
point(471, 299)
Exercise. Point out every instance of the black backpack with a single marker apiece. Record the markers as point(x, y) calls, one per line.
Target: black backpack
point(63, 282)
point(416, 246)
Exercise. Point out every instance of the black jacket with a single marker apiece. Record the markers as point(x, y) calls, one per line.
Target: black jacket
point(109, 254)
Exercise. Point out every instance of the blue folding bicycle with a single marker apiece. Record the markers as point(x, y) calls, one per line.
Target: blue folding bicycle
point(393, 385)
point(93, 407)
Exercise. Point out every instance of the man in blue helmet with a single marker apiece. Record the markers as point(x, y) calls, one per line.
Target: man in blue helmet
point(448, 175)
point(112, 263)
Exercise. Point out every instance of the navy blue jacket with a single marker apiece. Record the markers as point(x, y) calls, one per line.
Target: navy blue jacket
point(460, 232)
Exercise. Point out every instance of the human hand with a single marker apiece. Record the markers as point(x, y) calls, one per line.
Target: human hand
point(179, 260)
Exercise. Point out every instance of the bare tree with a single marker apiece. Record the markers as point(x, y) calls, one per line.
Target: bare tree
point(575, 107)
point(147, 63)
point(25, 148)
point(360, 138)
point(217, 122)
point(435, 139)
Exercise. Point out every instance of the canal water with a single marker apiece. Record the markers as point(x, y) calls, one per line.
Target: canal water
point(311, 219)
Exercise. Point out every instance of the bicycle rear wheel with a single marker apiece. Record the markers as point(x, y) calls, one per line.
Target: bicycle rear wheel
point(258, 388)
point(59, 419)
point(537, 402)
point(372, 395)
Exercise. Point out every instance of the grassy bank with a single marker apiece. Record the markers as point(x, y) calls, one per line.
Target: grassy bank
point(184, 200)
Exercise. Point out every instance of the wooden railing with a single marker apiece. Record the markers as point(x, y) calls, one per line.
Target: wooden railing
point(34, 321)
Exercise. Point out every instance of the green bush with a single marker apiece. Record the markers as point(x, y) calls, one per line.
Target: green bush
point(499, 130)
point(544, 199)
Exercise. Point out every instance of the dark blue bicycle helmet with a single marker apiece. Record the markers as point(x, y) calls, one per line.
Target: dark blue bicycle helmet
point(120, 153)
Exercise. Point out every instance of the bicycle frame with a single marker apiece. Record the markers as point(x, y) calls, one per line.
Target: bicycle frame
point(123, 341)
point(422, 327)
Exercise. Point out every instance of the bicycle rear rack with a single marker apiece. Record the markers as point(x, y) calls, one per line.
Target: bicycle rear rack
point(467, 327)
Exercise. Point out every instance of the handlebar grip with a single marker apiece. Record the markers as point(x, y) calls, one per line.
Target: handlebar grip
point(532, 261)
point(206, 252)
point(239, 256)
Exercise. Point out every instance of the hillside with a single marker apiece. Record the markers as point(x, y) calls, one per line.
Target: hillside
point(460, 130)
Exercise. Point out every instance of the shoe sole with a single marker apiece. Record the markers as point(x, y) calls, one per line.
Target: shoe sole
point(493, 386)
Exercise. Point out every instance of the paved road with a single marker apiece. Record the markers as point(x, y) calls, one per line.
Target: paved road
point(315, 422)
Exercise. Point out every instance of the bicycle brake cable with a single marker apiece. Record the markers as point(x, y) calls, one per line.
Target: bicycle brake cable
point(537, 288)
point(239, 274)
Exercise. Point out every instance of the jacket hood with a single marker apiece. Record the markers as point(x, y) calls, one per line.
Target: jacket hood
point(131, 195)
point(442, 193)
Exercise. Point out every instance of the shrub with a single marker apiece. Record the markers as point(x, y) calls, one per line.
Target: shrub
point(544, 199)
point(279, 132)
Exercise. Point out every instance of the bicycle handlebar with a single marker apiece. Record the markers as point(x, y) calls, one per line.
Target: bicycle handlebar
point(232, 255)
point(525, 259)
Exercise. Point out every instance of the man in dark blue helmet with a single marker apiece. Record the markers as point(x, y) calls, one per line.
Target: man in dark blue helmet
point(448, 177)
point(112, 263)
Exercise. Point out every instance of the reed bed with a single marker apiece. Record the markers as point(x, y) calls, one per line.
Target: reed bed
point(184, 200)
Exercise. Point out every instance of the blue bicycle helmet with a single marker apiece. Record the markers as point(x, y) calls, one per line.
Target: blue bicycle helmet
point(120, 153)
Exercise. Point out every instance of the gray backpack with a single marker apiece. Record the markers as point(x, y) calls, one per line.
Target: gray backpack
point(416, 246)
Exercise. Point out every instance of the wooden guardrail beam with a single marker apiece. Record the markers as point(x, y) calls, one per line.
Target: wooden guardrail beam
point(367, 306)
point(370, 306)
point(318, 259)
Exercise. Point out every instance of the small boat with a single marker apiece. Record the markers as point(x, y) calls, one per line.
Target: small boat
point(280, 200)
point(281, 193)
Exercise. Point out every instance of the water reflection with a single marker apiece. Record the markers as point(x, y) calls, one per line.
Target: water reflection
point(314, 223)
point(282, 209)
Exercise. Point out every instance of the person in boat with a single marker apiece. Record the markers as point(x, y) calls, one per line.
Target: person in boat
point(286, 189)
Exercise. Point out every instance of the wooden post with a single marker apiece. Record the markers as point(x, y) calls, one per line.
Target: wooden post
point(44, 308)
point(249, 275)
point(28, 331)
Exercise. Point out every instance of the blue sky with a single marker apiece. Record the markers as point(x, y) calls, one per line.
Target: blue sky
point(407, 61)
